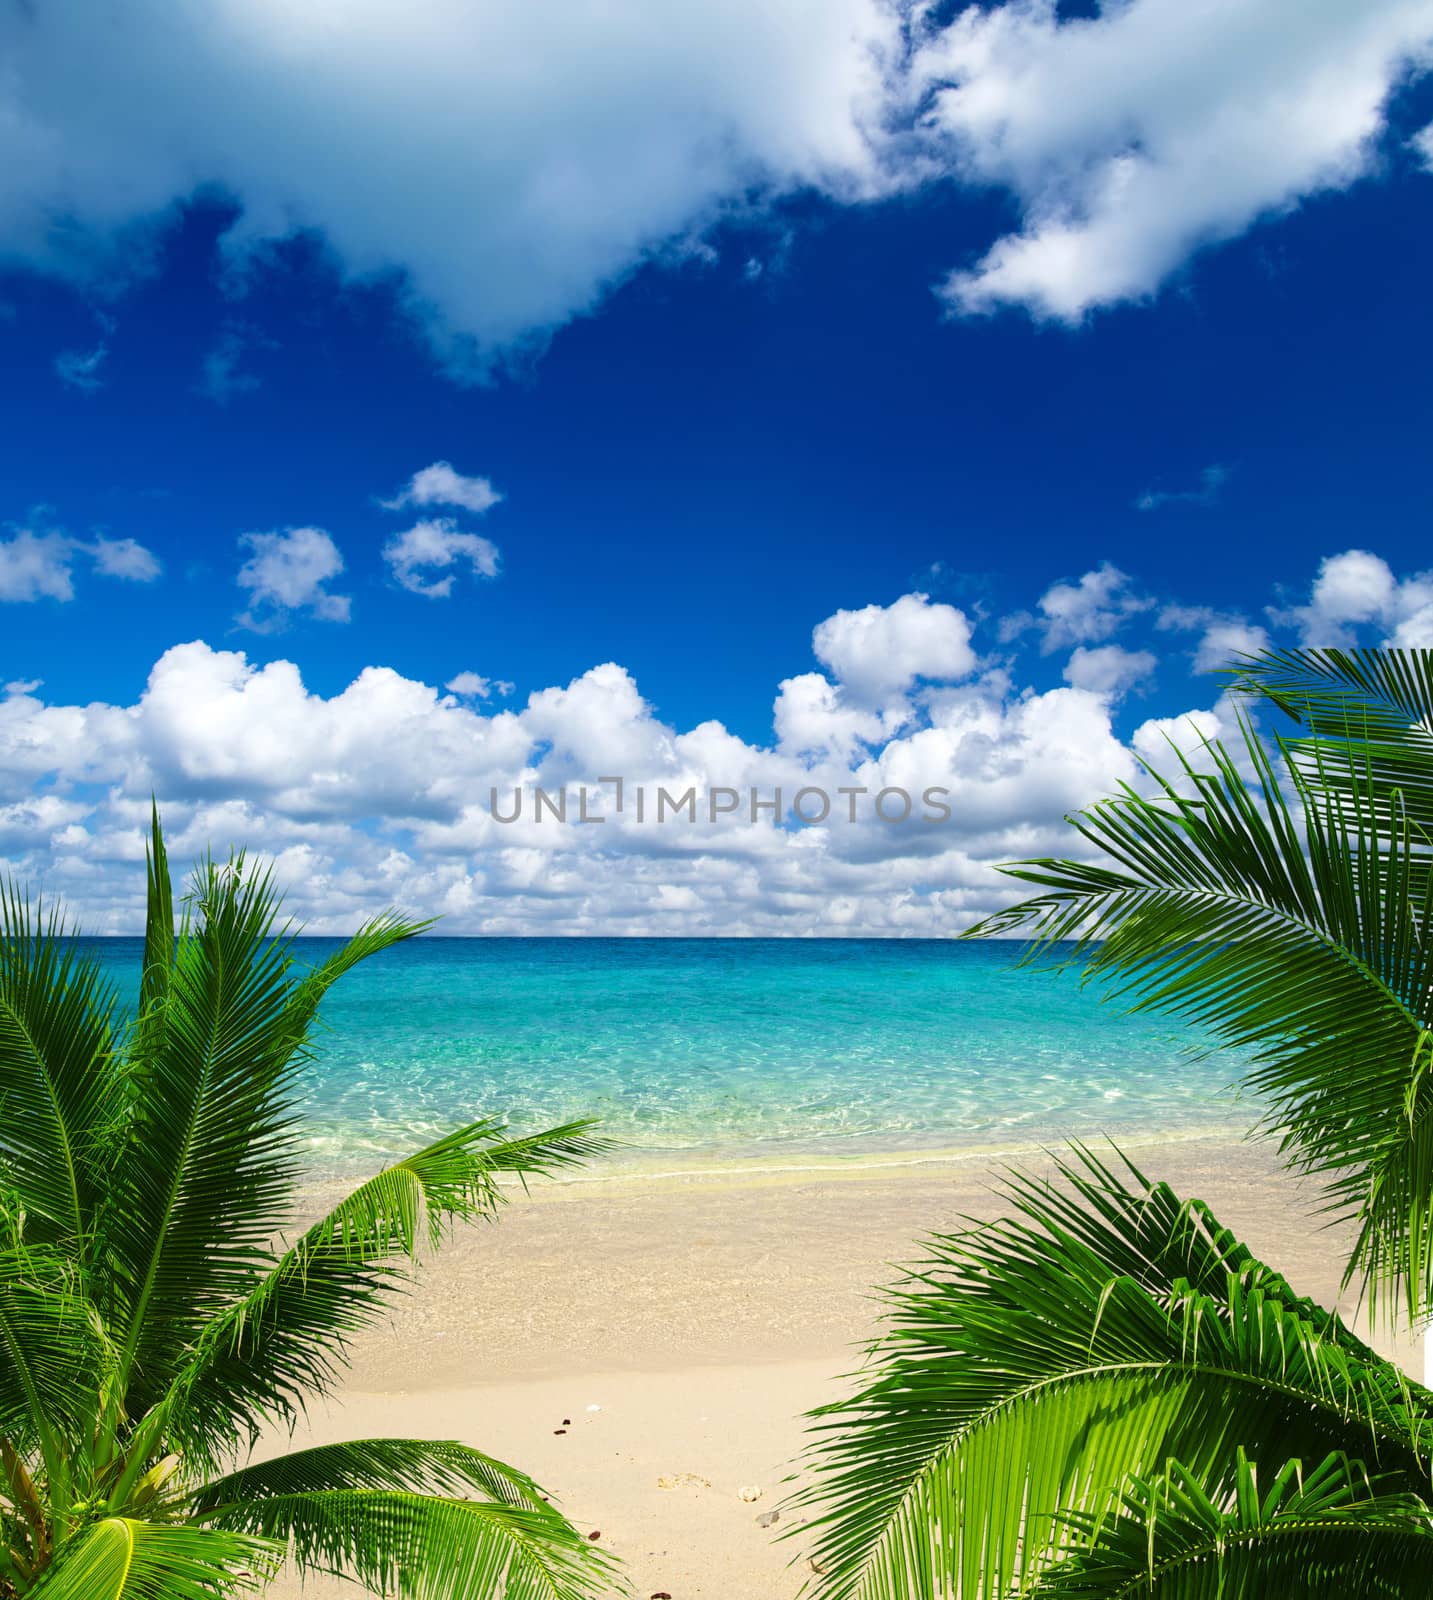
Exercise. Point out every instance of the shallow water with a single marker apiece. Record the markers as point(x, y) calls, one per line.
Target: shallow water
point(694, 1048)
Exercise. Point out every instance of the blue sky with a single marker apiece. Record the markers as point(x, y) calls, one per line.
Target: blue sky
point(721, 396)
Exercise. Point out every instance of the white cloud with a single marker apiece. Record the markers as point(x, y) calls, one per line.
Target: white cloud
point(1135, 138)
point(511, 162)
point(1162, 742)
point(472, 686)
point(1157, 740)
point(437, 543)
point(289, 571)
point(879, 651)
point(1423, 144)
point(506, 166)
point(36, 566)
point(124, 558)
point(1223, 635)
point(812, 716)
point(383, 792)
point(1086, 611)
point(440, 485)
point(1359, 589)
point(1108, 669)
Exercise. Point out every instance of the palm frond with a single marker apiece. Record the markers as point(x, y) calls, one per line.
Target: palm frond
point(57, 1098)
point(158, 925)
point(1293, 939)
point(378, 934)
point(417, 1466)
point(1309, 1535)
point(286, 1338)
point(120, 1558)
point(53, 1356)
point(1034, 1363)
point(1366, 734)
point(211, 1168)
point(1388, 691)
point(426, 1546)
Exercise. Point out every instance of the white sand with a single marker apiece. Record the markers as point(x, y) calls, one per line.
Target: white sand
point(703, 1314)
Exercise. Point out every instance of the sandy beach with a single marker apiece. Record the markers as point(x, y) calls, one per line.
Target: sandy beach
point(614, 1332)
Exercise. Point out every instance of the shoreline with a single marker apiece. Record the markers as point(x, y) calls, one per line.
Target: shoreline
point(634, 1165)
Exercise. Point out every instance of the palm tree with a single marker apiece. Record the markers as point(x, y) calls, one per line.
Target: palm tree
point(1107, 1394)
point(154, 1323)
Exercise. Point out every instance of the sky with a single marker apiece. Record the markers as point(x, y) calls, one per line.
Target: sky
point(409, 405)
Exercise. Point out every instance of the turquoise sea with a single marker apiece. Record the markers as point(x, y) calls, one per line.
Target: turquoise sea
point(738, 1049)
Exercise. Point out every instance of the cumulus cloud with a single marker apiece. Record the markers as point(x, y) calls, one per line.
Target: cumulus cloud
point(812, 716)
point(289, 571)
point(441, 485)
point(505, 167)
point(124, 558)
point(435, 544)
point(879, 651)
point(473, 686)
point(1109, 669)
point(1357, 589)
point(1136, 137)
point(382, 792)
point(36, 566)
point(510, 163)
point(33, 565)
point(1223, 635)
point(394, 790)
point(1084, 612)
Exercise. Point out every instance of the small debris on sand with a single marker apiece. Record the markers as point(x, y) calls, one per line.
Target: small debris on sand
point(748, 1492)
point(768, 1519)
point(684, 1480)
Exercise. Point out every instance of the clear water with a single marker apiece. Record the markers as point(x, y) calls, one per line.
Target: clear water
point(722, 1048)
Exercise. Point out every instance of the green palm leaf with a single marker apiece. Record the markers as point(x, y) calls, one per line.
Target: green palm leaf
point(428, 1547)
point(212, 1165)
point(57, 1089)
point(1035, 1363)
point(158, 927)
point(420, 1466)
point(52, 1354)
point(286, 1337)
point(120, 1558)
point(1298, 934)
point(1309, 1536)
point(1363, 712)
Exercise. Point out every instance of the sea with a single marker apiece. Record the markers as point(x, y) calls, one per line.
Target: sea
point(736, 1051)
